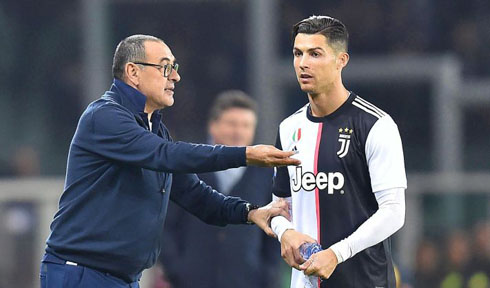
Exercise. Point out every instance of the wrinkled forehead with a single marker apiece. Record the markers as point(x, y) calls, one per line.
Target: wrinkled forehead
point(158, 52)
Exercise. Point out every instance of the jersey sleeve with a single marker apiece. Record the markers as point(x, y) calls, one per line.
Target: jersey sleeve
point(384, 155)
point(281, 186)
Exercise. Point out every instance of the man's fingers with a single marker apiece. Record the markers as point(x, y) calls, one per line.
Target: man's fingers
point(307, 264)
point(293, 263)
point(287, 255)
point(286, 162)
point(281, 203)
point(284, 154)
point(284, 213)
point(309, 267)
point(267, 155)
point(269, 232)
point(297, 257)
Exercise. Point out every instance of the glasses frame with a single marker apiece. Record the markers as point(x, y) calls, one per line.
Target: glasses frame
point(166, 71)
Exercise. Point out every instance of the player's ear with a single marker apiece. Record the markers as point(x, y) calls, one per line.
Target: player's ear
point(342, 60)
point(132, 73)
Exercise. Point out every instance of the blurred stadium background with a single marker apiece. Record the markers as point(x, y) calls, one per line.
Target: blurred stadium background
point(426, 62)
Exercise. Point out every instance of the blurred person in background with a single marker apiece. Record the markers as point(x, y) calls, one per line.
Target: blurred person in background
point(456, 270)
point(481, 247)
point(427, 265)
point(25, 162)
point(122, 165)
point(349, 193)
point(199, 255)
point(480, 264)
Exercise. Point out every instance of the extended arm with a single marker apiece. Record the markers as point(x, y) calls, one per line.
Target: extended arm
point(214, 208)
point(112, 132)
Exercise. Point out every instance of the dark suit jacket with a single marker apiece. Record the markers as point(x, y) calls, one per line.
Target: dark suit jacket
point(195, 254)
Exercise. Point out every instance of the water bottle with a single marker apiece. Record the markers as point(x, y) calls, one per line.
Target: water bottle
point(306, 250)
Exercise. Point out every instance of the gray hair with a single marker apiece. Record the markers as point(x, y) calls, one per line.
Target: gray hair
point(130, 49)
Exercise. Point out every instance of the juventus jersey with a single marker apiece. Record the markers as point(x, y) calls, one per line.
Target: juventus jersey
point(346, 157)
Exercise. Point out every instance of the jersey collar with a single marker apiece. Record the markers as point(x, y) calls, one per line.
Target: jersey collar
point(332, 115)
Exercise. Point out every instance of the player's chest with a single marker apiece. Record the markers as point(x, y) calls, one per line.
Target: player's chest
point(327, 145)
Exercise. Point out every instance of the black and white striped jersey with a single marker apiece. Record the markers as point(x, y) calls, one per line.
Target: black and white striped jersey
point(346, 157)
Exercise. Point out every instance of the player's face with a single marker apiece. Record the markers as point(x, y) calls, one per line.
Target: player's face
point(317, 65)
point(159, 90)
point(235, 127)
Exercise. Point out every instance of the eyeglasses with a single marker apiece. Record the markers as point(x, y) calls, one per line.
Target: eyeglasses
point(167, 68)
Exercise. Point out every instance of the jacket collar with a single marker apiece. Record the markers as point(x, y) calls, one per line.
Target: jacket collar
point(135, 101)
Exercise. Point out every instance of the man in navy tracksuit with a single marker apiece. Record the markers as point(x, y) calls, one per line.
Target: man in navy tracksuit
point(121, 167)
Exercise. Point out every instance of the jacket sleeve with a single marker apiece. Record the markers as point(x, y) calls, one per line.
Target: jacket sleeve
point(113, 133)
point(206, 203)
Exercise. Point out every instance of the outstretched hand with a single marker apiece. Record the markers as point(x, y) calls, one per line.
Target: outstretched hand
point(262, 216)
point(269, 156)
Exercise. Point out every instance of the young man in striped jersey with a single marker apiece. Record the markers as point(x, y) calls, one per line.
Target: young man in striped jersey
point(348, 193)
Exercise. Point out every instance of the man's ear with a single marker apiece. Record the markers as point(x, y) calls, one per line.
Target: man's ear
point(132, 71)
point(342, 60)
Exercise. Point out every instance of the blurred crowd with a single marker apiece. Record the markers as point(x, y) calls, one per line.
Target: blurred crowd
point(41, 97)
point(460, 259)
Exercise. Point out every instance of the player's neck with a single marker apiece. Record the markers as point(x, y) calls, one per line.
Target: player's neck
point(323, 104)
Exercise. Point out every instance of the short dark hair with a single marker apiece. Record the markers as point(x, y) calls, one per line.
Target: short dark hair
point(334, 30)
point(231, 99)
point(130, 49)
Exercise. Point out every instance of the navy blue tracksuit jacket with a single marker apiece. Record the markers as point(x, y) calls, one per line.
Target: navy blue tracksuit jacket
point(118, 181)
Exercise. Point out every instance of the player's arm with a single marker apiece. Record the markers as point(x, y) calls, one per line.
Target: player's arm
point(112, 132)
point(382, 224)
point(384, 155)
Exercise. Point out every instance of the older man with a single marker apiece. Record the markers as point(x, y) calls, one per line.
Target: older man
point(121, 166)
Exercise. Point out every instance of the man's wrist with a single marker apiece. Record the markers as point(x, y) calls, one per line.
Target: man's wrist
point(341, 250)
point(248, 208)
point(248, 155)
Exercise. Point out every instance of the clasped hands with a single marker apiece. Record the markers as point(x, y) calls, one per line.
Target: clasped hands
point(321, 264)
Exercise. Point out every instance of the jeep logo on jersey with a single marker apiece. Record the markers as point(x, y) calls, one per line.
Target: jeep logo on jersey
point(307, 181)
point(344, 139)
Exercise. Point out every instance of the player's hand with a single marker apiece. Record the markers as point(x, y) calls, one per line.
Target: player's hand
point(262, 216)
point(321, 264)
point(269, 156)
point(290, 242)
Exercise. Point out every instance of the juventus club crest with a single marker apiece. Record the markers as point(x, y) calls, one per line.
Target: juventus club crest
point(344, 139)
